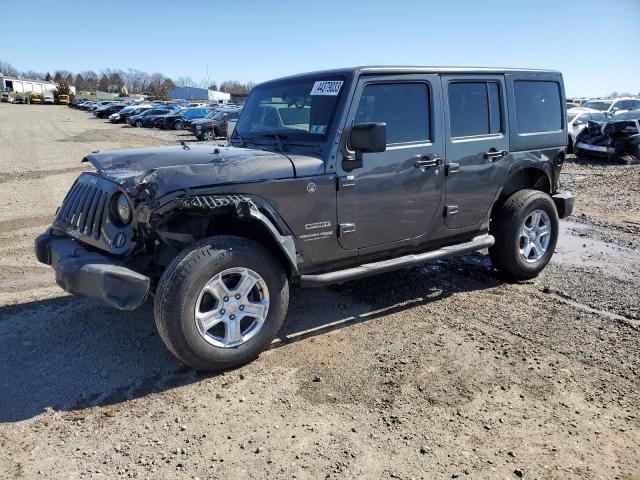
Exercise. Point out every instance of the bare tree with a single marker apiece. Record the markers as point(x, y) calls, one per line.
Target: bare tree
point(185, 82)
point(234, 86)
point(7, 69)
point(90, 80)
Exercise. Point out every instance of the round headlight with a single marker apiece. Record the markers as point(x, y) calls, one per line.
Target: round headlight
point(123, 209)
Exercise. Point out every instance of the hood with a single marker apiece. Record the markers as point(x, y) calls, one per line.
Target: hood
point(202, 121)
point(174, 168)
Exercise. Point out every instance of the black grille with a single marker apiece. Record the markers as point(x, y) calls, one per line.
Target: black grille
point(84, 208)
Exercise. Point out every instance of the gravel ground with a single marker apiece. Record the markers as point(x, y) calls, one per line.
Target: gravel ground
point(442, 371)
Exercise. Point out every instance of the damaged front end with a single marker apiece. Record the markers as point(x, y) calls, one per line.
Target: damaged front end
point(616, 140)
point(98, 255)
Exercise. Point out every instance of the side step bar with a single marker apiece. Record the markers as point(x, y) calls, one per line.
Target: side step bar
point(340, 276)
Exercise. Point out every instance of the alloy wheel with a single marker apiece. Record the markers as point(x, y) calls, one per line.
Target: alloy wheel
point(535, 235)
point(232, 307)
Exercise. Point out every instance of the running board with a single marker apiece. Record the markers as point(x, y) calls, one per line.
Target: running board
point(340, 276)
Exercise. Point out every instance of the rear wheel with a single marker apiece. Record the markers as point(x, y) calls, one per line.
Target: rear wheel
point(221, 302)
point(179, 125)
point(526, 231)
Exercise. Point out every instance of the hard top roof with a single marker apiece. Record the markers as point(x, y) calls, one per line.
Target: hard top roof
point(399, 69)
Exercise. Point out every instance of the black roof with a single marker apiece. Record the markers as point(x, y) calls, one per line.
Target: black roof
point(399, 69)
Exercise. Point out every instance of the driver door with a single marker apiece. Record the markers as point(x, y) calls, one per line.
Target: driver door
point(396, 194)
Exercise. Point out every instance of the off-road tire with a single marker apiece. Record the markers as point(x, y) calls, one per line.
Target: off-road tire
point(505, 227)
point(183, 280)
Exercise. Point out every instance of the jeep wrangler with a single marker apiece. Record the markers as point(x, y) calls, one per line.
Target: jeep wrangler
point(328, 177)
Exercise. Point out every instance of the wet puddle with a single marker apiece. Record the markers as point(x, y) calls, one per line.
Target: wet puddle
point(576, 247)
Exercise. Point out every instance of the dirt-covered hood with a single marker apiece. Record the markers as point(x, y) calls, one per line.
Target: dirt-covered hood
point(173, 168)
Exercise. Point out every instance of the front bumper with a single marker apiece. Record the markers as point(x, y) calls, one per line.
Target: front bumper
point(90, 274)
point(564, 201)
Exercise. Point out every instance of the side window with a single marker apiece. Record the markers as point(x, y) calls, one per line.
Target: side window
point(538, 106)
point(404, 107)
point(474, 109)
point(582, 119)
point(598, 117)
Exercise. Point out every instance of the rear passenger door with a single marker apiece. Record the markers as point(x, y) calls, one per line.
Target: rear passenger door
point(477, 146)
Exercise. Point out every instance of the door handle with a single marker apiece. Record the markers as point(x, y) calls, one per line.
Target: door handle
point(425, 161)
point(494, 154)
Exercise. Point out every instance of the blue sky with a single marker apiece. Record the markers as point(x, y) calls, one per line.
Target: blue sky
point(259, 40)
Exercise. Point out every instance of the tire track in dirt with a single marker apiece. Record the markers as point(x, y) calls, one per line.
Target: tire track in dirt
point(8, 226)
point(6, 177)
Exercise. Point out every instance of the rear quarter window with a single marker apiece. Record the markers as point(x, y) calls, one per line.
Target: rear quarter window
point(538, 106)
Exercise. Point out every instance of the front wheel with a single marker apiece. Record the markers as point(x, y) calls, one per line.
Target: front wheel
point(221, 302)
point(208, 136)
point(178, 125)
point(526, 231)
point(139, 124)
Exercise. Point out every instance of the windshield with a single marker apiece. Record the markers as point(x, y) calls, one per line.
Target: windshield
point(599, 105)
point(300, 109)
point(128, 109)
point(572, 116)
point(633, 115)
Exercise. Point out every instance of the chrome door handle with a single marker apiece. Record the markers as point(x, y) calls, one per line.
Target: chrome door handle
point(494, 154)
point(425, 162)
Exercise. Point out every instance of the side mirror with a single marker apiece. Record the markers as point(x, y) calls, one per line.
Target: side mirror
point(366, 138)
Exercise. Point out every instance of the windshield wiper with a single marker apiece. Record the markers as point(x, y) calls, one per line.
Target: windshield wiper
point(278, 139)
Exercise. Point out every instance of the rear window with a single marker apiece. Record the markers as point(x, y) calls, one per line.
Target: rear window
point(538, 106)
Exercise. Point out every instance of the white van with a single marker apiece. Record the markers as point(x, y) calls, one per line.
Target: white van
point(47, 98)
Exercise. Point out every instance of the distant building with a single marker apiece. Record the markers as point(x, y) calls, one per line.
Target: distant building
point(194, 93)
point(27, 85)
point(239, 98)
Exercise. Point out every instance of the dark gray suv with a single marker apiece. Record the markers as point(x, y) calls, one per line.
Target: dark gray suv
point(329, 176)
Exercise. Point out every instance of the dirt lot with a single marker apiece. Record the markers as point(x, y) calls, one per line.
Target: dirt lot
point(442, 371)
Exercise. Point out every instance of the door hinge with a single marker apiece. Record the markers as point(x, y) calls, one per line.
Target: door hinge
point(451, 210)
point(346, 181)
point(346, 228)
point(452, 168)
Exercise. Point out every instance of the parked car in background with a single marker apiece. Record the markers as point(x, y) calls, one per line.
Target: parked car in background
point(48, 98)
point(214, 125)
point(95, 105)
point(106, 110)
point(577, 120)
point(154, 119)
point(5, 98)
point(63, 99)
point(144, 119)
point(616, 139)
point(21, 99)
point(35, 98)
point(616, 105)
point(178, 120)
point(123, 115)
point(76, 103)
point(86, 105)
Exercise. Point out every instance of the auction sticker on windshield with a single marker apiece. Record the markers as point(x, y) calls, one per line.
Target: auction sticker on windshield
point(327, 87)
